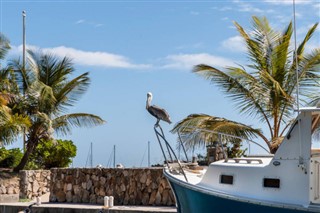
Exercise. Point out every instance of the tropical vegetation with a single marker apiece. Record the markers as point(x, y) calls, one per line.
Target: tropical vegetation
point(48, 154)
point(11, 124)
point(52, 154)
point(267, 87)
point(10, 158)
point(36, 99)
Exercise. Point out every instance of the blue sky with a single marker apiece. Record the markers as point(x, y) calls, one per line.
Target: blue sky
point(134, 47)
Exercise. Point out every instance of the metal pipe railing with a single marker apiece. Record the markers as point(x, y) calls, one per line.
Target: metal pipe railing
point(193, 131)
point(169, 148)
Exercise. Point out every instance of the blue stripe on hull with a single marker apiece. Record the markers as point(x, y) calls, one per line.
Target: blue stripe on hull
point(191, 201)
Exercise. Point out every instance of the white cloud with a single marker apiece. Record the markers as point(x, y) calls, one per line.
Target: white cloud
point(288, 2)
point(88, 58)
point(80, 21)
point(246, 7)
point(234, 44)
point(90, 23)
point(317, 7)
point(195, 13)
point(225, 8)
point(108, 60)
point(249, 8)
point(187, 61)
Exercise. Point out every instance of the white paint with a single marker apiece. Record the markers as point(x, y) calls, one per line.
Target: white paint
point(296, 165)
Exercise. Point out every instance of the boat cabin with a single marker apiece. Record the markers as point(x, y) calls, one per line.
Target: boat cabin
point(289, 176)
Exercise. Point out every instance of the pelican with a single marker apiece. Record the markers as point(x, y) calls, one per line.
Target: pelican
point(159, 113)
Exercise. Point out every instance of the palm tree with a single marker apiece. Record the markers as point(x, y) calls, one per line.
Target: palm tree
point(46, 93)
point(267, 88)
point(188, 126)
point(11, 125)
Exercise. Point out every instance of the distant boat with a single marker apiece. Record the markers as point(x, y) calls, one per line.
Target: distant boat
point(90, 157)
point(287, 182)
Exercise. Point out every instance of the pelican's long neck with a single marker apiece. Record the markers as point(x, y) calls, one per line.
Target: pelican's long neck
point(148, 102)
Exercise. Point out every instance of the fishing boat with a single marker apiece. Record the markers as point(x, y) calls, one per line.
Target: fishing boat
point(286, 182)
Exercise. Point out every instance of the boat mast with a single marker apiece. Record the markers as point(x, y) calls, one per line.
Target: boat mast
point(148, 153)
point(114, 156)
point(91, 156)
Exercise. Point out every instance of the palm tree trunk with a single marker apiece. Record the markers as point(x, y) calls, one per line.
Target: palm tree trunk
point(30, 147)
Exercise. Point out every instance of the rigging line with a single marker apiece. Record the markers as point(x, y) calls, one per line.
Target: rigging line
point(297, 76)
point(181, 144)
point(110, 159)
point(295, 53)
point(1, 16)
point(144, 153)
point(87, 158)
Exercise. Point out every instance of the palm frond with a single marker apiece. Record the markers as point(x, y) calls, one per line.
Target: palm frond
point(11, 126)
point(301, 62)
point(24, 76)
point(70, 92)
point(4, 46)
point(301, 47)
point(241, 87)
point(190, 130)
point(63, 124)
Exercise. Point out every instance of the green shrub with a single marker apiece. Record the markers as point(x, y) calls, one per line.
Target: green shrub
point(49, 154)
point(10, 158)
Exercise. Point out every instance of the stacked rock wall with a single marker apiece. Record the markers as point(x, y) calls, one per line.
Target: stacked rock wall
point(34, 183)
point(127, 186)
point(9, 186)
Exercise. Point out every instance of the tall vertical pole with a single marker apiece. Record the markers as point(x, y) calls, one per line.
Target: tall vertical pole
point(295, 53)
point(91, 156)
point(24, 63)
point(148, 153)
point(24, 39)
point(297, 76)
point(114, 156)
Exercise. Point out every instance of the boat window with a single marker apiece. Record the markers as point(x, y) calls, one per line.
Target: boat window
point(271, 182)
point(226, 179)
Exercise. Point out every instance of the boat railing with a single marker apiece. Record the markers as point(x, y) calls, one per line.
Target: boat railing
point(173, 162)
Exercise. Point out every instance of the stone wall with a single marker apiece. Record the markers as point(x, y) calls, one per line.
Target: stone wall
point(34, 183)
point(25, 185)
point(9, 186)
point(127, 186)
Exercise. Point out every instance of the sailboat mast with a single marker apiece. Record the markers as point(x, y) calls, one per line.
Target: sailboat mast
point(114, 156)
point(91, 156)
point(148, 153)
